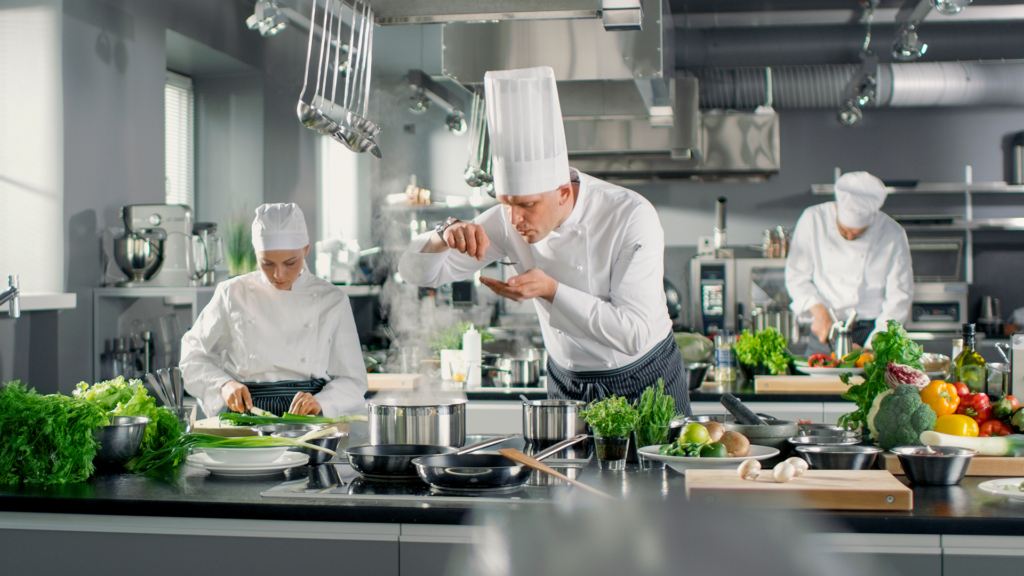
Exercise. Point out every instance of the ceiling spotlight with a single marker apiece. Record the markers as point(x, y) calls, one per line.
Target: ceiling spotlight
point(456, 123)
point(907, 45)
point(267, 18)
point(849, 113)
point(950, 6)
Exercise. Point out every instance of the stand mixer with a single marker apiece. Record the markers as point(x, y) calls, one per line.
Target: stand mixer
point(154, 250)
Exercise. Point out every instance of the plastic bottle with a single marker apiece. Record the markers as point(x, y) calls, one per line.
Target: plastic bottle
point(725, 357)
point(471, 353)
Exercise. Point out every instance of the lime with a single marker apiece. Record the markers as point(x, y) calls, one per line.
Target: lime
point(713, 450)
point(694, 433)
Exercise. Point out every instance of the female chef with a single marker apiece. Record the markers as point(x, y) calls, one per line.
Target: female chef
point(280, 338)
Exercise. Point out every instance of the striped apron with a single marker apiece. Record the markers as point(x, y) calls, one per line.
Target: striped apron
point(276, 397)
point(663, 361)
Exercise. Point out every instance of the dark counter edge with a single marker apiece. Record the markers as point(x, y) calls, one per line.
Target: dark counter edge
point(867, 522)
point(745, 396)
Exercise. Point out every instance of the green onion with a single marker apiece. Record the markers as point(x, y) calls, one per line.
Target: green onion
point(249, 420)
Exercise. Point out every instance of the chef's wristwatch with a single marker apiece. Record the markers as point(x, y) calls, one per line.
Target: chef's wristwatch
point(444, 225)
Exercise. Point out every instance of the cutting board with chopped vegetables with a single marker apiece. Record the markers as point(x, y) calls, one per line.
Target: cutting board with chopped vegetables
point(979, 466)
point(815, 489)
point(788, 384)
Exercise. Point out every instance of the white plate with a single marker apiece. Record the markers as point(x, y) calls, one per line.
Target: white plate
point(682, 463)
point(828, 371)
point(288, 460)
point(246, 456)
point(997, 487)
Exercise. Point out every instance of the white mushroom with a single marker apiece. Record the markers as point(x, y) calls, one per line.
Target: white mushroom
point(799, 463)
point(749, 469)
point(783, 472)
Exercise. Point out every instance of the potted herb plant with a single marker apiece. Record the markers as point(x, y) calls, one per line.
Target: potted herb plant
point(613, 420)
point(241, 258)
point(763, 353)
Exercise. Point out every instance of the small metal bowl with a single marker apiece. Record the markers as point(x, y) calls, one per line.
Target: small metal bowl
point(331, 442)
point(934, 465)
point(119, 440)
point(271, 429)
point(832, 434)
point(849, 457)
point(811, 428)
point(823, 440)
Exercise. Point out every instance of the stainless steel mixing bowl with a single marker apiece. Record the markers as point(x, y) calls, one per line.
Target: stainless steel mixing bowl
point(139, 255)
point(119, 440)
point(851, 457)
point(935, 465)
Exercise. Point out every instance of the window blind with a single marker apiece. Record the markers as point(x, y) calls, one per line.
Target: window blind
point(179, 140)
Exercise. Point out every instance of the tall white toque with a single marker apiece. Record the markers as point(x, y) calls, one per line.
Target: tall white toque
point(859, 196)
point(279, 227)
point(524, 120)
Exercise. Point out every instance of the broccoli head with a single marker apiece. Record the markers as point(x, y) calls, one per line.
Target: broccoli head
point(902, 417)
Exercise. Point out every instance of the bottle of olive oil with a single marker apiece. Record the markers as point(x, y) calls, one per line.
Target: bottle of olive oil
point(969, 367)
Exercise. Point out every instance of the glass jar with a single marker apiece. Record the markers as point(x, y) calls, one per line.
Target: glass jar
point(725, 357)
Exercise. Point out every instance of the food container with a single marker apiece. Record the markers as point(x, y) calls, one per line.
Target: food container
point(850, 457)
point(330, 442)
point(822, 440)
point(934, 465)
point(410, 421)
point(119, 440)
point(552, 420)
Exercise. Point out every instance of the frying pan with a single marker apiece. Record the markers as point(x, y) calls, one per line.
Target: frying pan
point(472, 472)
point(394, 461)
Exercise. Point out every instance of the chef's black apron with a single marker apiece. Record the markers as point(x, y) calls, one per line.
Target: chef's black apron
point(663, 361)
point(276, 397)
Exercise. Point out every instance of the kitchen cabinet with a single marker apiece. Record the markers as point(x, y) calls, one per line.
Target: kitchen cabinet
point(973, 555)
point(903, 554)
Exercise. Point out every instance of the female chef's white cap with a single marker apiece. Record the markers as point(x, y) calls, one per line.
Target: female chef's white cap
point(859, 195)
point(524, 120)
point(279, 227)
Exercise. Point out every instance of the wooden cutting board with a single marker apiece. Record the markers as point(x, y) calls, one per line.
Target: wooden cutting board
point(815, 489)
point(979, 466)
point(788, 384)
point(393, 381)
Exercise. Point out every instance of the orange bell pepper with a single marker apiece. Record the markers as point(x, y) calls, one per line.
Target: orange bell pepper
point(957, 425)
point(941, 397)
point(863, 359)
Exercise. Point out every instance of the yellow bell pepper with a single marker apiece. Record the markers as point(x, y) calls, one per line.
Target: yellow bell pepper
point(941, 397)
point(957, 425)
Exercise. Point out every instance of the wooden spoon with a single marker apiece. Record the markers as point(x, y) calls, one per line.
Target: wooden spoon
point(513, 454)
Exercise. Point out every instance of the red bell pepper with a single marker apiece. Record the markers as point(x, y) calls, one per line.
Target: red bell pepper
point(994, 428)
point(961, 390)
point(975, 406)
point(822, 361)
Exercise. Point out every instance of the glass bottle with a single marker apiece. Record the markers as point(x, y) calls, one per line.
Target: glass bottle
point(968, 366)
point(725, 357)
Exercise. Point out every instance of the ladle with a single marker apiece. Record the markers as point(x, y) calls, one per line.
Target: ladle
point(316, 119)
point(305, 111)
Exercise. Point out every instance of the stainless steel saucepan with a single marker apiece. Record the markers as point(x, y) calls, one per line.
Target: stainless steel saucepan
point(515, 372)
point(395, 421)
point(471, 472)
point(552, 420)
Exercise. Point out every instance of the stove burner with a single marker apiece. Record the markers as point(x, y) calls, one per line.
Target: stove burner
point(506, 491)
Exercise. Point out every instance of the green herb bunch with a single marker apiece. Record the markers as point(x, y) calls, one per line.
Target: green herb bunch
point(46, 439)
point(612, 416)
point(767, 347)
point(656, 411)
point(450, 338)
point(893, 345)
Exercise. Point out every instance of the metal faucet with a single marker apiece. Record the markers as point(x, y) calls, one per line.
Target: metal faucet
point(11, 294)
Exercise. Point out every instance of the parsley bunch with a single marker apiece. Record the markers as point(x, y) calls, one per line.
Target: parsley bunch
point(612, 416)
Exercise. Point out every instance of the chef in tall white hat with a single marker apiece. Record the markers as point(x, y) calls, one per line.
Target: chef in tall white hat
point(849, 256)
point(589, 254)
point(279, 339)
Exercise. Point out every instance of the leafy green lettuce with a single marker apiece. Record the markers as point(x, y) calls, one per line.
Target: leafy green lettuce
point(767, 347)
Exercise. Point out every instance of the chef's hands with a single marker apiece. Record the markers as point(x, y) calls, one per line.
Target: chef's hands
point(304, 404)
point(466, 237)
point(822, 323)
point(532, 284)
point(236, 396)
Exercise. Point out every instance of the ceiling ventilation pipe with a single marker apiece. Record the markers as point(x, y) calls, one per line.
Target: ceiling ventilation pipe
point(905, 85)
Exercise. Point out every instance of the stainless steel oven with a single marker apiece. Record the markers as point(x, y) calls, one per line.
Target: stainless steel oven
point(938, 307)
point(724, 292)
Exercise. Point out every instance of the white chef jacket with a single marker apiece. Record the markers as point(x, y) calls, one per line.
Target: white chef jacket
point(871, 274)
point(253, 332)
point(608, 259)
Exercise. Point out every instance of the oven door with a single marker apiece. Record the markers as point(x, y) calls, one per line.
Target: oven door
point(938, 307)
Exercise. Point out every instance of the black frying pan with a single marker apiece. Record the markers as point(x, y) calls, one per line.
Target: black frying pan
point(394, 461)
point(480, 471)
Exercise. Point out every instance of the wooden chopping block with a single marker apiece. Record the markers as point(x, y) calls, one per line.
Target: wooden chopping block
point(788, 384)
point(979, 466)
point(815, 489)
point(393, 381)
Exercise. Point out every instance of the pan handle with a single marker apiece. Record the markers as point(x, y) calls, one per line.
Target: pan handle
point(560, 446)
point(485, 443)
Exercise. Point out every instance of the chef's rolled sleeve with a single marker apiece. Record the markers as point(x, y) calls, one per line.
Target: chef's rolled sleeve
point(344, 393)
point(431, 270)
point(201, 350)
point(799, 271)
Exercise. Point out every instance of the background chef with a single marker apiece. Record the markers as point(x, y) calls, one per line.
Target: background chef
point(847, 255)
point(588, 253)
point(279, 338)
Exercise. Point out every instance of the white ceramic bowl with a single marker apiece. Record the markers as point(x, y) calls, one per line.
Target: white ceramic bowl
point(684, 463)
point(245, 455)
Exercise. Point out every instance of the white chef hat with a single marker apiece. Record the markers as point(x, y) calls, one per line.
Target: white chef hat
point(279, 227)
point(859, 195)
point(527, 138)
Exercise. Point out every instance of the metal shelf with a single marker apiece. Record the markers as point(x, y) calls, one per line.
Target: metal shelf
point(938, 188)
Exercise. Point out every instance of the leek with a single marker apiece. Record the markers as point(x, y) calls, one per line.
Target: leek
point(1009, 445)
point(249, 420)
